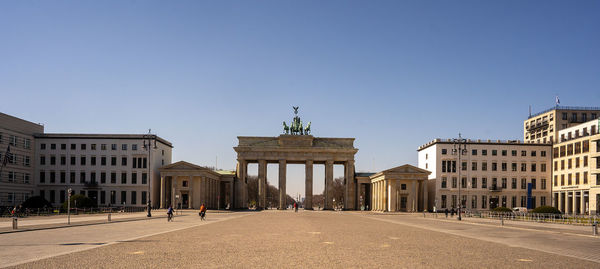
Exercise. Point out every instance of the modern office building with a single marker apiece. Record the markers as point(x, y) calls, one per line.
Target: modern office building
point(16, 177)
point(112, 169)
point(576, 169)
point(492, 174)
point(543, 127)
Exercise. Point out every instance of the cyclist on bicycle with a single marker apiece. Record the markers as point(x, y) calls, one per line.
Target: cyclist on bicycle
point(202, 212)
point(170, 213)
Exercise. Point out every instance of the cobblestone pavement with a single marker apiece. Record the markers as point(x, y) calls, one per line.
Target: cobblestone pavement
point(16, 248)
point(276, 239)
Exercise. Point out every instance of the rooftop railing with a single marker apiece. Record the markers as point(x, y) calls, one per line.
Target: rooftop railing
point(564, 108)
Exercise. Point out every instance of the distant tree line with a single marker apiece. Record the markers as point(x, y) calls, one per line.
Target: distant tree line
point(273, 194)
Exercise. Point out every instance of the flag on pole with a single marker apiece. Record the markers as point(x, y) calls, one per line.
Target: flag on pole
point(557, 100)
point(6, 156)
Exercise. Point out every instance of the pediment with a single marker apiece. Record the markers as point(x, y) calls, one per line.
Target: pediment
point(182, 165)
point(407, 169)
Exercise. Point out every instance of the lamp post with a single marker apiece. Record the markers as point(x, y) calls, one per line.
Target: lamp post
point(460, 148)
point(147, 146)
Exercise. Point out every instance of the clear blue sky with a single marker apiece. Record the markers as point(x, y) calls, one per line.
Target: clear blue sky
point(392, 74)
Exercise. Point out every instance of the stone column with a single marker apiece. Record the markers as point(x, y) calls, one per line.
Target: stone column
point(242, 171)
point(191, 193)
point(328, 185)
point(560, 203)
point(372, 198)
point(219, 194)
point(214, 193)
point(231, 195)
point(574, 201)
point(582, 203)
point(308, 185)
point(162, 192)
point(349, 195)
point(425, 196)
point(392, 196)
point(174, 192)
point(262, 178)
point(209, 192)
point(377, 196)
point(282, 180)
point(413, 193)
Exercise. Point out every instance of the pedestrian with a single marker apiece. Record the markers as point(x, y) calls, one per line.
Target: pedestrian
point(452, 212)
point(295, 207)
point(446, 212)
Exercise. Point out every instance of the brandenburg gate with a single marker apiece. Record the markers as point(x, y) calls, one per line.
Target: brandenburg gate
point(297, 146)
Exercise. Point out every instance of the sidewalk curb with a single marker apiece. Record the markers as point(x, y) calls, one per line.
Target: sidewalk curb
point(60, 226)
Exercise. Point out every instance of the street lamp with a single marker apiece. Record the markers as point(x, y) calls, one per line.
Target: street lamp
point(149, 137)
point(460, 148)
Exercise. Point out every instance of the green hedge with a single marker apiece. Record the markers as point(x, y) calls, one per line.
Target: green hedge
point(502, 209)
point(546, 209)
point(80, 201)
point(36, 202)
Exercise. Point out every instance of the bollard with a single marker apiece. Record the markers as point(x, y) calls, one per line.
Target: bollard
point(502, 219)
point(109, 217)
point(595, 228)
point(15, 223)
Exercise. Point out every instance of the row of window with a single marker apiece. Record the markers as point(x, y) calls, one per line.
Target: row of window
point(104, 200)
point(494, 184)
point(573, 148)
point(574, 179)
point(577, 161)
point(574, 116)
point(504, 152)
point(15, 177)
point(16, 159)
point(493, 201)
point(91, 177)
point(577, 134)
point(136, 162)
point(92, 146)
point(449, 166)
point(13, 198)
point(16, 141)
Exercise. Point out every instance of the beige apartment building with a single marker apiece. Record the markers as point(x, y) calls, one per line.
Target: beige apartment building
point(492, 174)
point(576, 169)
point(111, 169)
point(16, 177)
point(544, 126)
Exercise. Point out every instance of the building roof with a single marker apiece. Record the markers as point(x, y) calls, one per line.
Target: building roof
point(565, 108)
point(482, 142)
point(364, 174)
point(101, 136)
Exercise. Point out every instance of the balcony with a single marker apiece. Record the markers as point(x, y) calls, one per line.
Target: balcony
point(495, 188)
point(90, 185)
point(538, 126)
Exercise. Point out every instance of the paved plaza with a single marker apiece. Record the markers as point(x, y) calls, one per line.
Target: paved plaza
point(286, 239)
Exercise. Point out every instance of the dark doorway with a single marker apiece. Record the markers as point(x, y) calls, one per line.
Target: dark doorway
point(184, 200)
point(493, 202)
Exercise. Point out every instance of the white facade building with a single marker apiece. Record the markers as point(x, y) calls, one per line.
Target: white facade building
point(493, 174)
point(112, 169)
point(576, 173)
